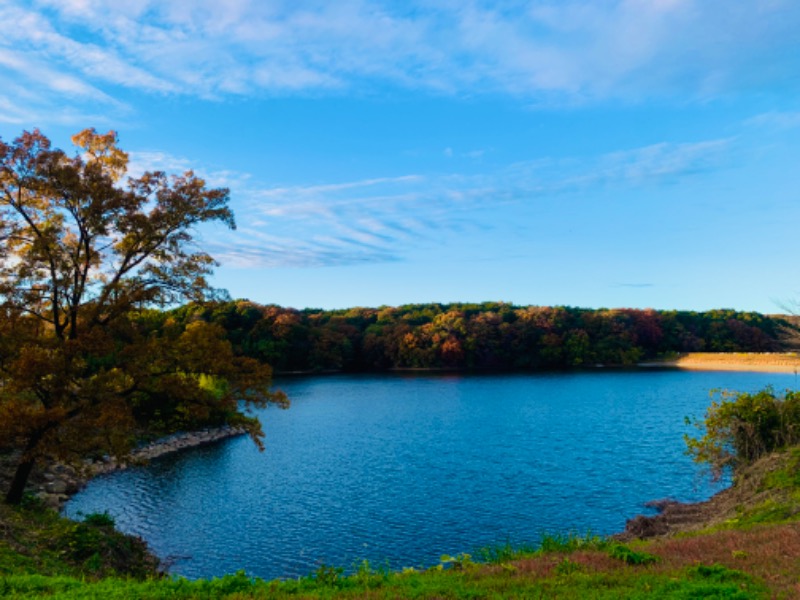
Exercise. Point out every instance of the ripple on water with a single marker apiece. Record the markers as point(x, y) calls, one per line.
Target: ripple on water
point(404, 469)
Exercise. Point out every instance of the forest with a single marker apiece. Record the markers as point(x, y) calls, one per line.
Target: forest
point(485, 336)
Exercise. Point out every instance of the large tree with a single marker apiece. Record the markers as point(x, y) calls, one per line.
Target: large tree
point(84, 252)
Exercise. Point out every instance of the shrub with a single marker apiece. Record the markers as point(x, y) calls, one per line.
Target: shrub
point(742, 427)
point(631, 557)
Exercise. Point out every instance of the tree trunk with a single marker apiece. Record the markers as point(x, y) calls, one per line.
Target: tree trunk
point(24, 468)
point(17, 488)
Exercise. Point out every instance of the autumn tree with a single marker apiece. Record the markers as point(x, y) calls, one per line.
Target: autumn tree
point(84, 252)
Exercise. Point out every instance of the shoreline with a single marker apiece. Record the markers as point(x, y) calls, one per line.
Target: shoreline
point(765, 362)
point(56, 483)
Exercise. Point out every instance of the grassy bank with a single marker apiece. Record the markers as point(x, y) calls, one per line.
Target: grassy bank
point(742, 544)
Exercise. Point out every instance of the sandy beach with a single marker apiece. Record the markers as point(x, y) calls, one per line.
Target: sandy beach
point(777, 362)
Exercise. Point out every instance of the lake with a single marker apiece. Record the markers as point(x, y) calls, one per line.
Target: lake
point(401, 469)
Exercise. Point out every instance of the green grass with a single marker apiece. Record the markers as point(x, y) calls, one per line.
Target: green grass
point(694, 582)
point(788, 476)
point(549, 543)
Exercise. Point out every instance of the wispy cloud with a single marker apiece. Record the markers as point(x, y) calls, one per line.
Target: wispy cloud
point(776, 120)
point(633, 285)
point(387, 219)
point(570, 51)
point(661, 163)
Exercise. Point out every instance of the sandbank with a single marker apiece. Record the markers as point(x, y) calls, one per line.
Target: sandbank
point(768, 362)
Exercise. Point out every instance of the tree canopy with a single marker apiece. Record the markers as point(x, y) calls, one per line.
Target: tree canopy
point(85, 251)
point(485, 336)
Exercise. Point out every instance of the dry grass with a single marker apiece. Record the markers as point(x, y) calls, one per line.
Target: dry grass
point(770, 553)
point(780, 362)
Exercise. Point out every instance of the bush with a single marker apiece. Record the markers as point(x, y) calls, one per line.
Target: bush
point(741, 428)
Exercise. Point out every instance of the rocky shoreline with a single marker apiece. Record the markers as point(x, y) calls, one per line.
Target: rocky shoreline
point(55, 483)
point(748, 490)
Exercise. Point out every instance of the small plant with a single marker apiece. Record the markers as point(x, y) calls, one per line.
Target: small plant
point(328, 576)
point(460, 562)
point(503, 553)
point(631, 557)
point(365, 575)
point(567, 567)
point(717, 573)
point(102, 519)
point(571, 542)
point(31, 502)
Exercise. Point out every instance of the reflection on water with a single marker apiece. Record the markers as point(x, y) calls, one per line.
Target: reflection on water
point(402, 469)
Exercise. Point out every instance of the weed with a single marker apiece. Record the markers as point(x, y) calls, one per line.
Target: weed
point(368, 577)
point(718, 573)
point(102, 519)
point(503, 553)
point(570, 542)
point(631, 557)
point(567, 567)
point(460, 562)
point(328, 576)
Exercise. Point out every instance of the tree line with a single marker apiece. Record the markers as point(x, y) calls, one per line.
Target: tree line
point(485, 336)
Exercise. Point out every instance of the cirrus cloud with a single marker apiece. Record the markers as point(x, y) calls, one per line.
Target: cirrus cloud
point(565, 52)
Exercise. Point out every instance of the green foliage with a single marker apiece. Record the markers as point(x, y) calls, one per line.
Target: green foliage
point(718, 573)
point(742, 427)
point(506, 552)
point(768, 511)
point(459, 562)
point(102, 519)
point(631, 557)
point(567, 567)
point(570, 542)
point(326, 575)
point(786, 477)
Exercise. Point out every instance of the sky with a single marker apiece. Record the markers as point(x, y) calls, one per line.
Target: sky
point(601, 154)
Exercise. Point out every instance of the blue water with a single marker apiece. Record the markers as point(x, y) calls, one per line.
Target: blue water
point(401, 469)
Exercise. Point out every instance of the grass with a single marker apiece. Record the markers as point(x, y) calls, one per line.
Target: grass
point(36, 540)
point(714, 581)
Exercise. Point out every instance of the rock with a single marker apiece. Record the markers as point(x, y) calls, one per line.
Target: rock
point(56, 487)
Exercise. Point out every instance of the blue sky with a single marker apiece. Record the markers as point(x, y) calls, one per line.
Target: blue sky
point(612, 153)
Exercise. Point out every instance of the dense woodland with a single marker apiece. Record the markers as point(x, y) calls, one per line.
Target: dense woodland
point(487, 336)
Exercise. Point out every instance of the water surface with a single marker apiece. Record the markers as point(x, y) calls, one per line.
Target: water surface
point(401, 469)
